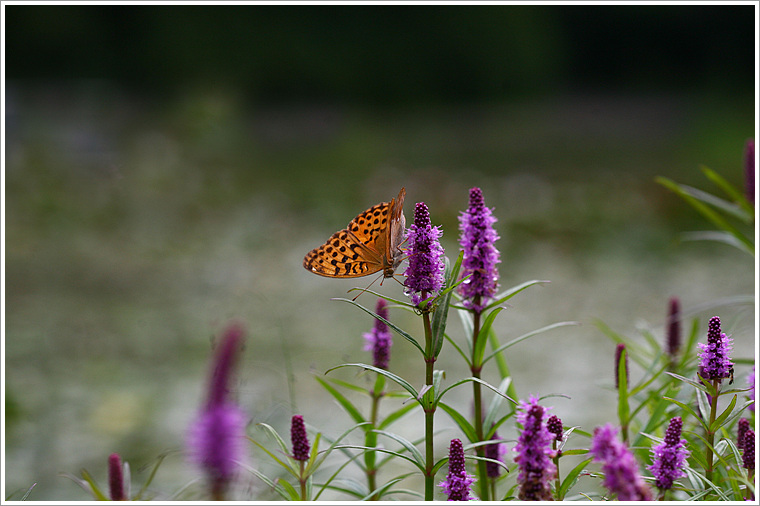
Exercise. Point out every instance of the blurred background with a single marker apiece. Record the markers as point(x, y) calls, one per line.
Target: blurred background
point(167, 168)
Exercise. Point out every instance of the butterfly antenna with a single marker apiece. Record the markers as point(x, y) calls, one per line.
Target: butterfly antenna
point(367, 288)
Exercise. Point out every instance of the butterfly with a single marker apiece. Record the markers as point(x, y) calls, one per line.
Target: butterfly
point(370, 243)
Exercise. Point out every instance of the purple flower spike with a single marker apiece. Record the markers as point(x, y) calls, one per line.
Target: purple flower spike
point(216, 440)
point(621, 472)
point(494, 451)
point(670, 456)
point(748, 459)
point(554, 426)
point(457, 483)
point(480, 255)
point(751, 384)
point(715, 363)
point(749, 169)
point(116, 478)
point(379, 339)
point(534, 453)
point(425, 272)
point(619, 349)
point(741, 430)
point(299, 439)
point(674, 328)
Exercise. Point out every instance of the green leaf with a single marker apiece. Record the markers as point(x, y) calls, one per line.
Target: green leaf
point(291, 491)
point(287, 466)
point(696, 384)
point(275, 486)
point(152, 475)
point(325, 485)
point(343, 401)
point(395, 415)
point(511, 292)
point(476, 380)
point(461, 352)
point(398, 330)
point(735, 194)
point(482, 338)
point(571, 478)
point(419, 460)
point(380, 450)
point(716, 236)
point(441, 312)
point(496, 402)
point(467, 429)
point(722, 417)
point(695, 198)
point(624, 410)
point(689, 410)
point(398, 379)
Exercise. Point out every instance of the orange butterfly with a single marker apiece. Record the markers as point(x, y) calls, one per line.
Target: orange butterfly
point(370, 243)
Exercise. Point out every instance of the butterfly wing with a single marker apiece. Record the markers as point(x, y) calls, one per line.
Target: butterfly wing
point(357, 250)
point(396, 232)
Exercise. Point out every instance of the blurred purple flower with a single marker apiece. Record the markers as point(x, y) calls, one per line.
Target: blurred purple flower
point(299, 438)
point(494, 451)
point(619, 349)
point(534, 453)
point(748, 459)
point(751, 384)
point(457, 483)
point(425, 271)
point(621, 472)
point(116, 478)
point(715, 364)
point(674, 328)
point(216, 439)
point(480, 255)
point(379, 338)
point(741, 429)
point(749, 169)
point(670, 456)
point(554, 426)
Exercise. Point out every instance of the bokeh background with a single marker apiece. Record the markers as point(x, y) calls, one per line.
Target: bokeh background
point(167, 167)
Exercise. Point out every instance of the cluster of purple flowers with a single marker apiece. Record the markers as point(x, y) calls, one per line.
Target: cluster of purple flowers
point(715, 364)
point(457, 483)
point(379, 340)
point(621, 472)
point(480, 255)
point(670, 456)
point(534, 453)
point(298, 438)
point(424, 275)
point(216, 440)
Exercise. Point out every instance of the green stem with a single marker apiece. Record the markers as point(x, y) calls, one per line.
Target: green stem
point(370, 439)
point(303, 481)
point(710, 433)
point(476, 368)
point(557, 482)
point(428, 407)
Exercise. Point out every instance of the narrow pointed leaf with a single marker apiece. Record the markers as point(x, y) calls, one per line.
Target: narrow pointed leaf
point(461, 421)
point(399, 380)
point(398, 330)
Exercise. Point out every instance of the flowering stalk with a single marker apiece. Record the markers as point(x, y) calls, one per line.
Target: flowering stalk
point(669, 457)
point(621, 473)
point(715, 365)
point(423, 277)
point(534, 453)
point(116, 478)
point(673, 340)
point(749, 170)
point(554, 426)
point(621, 385)
point(216, 439)
point(379, 341)
point(479, 263)
point(457, 483)
point(748, 459)
point(494, 451)
point(301, 448)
